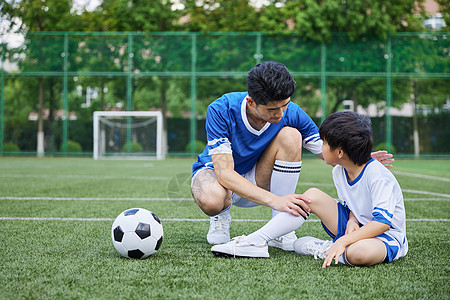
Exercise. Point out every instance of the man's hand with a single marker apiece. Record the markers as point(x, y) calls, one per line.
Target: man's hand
point(295, 204)
point(383, 157)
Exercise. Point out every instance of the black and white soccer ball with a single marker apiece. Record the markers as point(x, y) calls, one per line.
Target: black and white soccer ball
point(137, 233)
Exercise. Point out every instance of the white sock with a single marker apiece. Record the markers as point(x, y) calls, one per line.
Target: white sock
point(343, 259)
point(225, 212)
point(283, 182)
point(284, 179)
point(279, 225)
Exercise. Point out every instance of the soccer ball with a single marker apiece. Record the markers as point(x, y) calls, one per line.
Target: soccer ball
point(137, 233)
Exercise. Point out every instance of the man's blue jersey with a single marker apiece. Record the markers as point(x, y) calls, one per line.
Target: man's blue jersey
point(229, 132)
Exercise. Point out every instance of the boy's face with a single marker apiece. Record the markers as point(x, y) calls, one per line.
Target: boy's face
point(273, 111)
point(330, 156)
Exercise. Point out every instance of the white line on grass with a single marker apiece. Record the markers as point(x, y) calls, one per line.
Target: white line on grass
point(446, 198)
point(422, 176)
point(95, 199)
point(426, 193)
point(177, 220)
point(84, 176)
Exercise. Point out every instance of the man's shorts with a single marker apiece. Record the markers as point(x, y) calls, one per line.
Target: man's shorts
point(392, 245)
point(235, 198)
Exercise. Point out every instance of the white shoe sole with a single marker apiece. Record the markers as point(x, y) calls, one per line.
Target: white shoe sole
point(227, 255)
point(282, 246)
point(217, 241)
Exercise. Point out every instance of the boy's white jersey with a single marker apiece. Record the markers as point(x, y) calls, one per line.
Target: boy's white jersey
point(375, 195)
point(228, 131)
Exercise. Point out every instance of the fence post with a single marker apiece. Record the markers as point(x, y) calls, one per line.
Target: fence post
point(258, 54)
point(129, 90)
point(65, 97)
point(389, 95)
point(2, 110)
point(193, 93)
point(323, 81)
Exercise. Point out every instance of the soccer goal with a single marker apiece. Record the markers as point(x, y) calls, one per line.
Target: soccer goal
point(128, 135)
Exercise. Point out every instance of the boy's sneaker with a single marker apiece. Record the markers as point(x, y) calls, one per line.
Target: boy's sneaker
point(309, 245)
point(219, 229)
point(240, 247)
point(285, 242)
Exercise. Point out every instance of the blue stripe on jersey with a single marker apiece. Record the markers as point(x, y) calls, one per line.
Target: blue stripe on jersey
point(360, 174)
point(379, 217)
point(313, 138)
point(385, 211)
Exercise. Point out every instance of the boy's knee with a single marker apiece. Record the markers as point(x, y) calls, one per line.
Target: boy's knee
point(363, 253)
point(312, 193)
point(356, 256)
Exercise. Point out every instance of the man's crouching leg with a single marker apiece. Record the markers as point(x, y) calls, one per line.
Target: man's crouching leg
point(215, 201)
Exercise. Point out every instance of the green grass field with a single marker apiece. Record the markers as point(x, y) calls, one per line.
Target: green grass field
point(56, 216)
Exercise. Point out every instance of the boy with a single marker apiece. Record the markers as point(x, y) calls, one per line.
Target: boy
point(367, 224)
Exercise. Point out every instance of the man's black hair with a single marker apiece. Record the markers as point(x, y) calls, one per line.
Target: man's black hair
point(270, 81)
point(351, 132)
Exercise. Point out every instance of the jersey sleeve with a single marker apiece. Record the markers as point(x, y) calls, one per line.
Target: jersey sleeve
point(309, 130)
point(217, 131)
point(383, 201)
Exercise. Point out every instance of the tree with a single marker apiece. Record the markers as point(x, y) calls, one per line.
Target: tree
point(221, 15)
point(317, 20)
point(38, 16)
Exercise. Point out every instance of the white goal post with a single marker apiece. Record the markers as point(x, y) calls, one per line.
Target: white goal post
point(128, 135)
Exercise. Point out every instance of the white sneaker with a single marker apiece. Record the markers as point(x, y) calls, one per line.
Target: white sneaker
point(285, 242)
point(309, 245)
point(240, 247)
point(219, 229)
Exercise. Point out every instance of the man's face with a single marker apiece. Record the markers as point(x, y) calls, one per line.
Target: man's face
point(273, 111)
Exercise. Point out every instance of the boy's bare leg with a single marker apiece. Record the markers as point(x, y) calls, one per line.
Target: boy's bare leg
point(366, 252)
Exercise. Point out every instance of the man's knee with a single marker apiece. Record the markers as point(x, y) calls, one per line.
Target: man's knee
point(290, 138)
point(210, 196)
point(288, 143)
point(212, 203)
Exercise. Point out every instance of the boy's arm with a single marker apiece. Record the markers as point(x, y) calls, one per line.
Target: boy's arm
point(230, 179)
point(352, 224)
point(370, 230)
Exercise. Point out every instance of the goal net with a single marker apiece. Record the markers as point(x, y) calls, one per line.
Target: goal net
point(128, 134)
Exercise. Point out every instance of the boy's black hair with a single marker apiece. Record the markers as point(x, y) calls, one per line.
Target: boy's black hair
point(351, 132)
point(269, 81)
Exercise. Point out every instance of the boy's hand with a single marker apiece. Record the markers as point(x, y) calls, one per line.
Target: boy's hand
point(336, 250)
point(352, 225)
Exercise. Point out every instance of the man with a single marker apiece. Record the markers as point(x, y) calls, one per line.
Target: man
point(254, 152)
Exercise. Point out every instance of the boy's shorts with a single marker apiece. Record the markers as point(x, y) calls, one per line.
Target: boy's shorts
point(235, 198)
point(392, 245)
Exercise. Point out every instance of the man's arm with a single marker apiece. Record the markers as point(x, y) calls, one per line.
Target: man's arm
point(230, 179)
point(383, 157)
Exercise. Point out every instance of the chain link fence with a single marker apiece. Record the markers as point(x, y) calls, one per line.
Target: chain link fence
point(52, 82)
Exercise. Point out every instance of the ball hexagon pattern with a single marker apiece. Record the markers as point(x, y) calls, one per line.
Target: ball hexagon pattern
point(137, 233)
